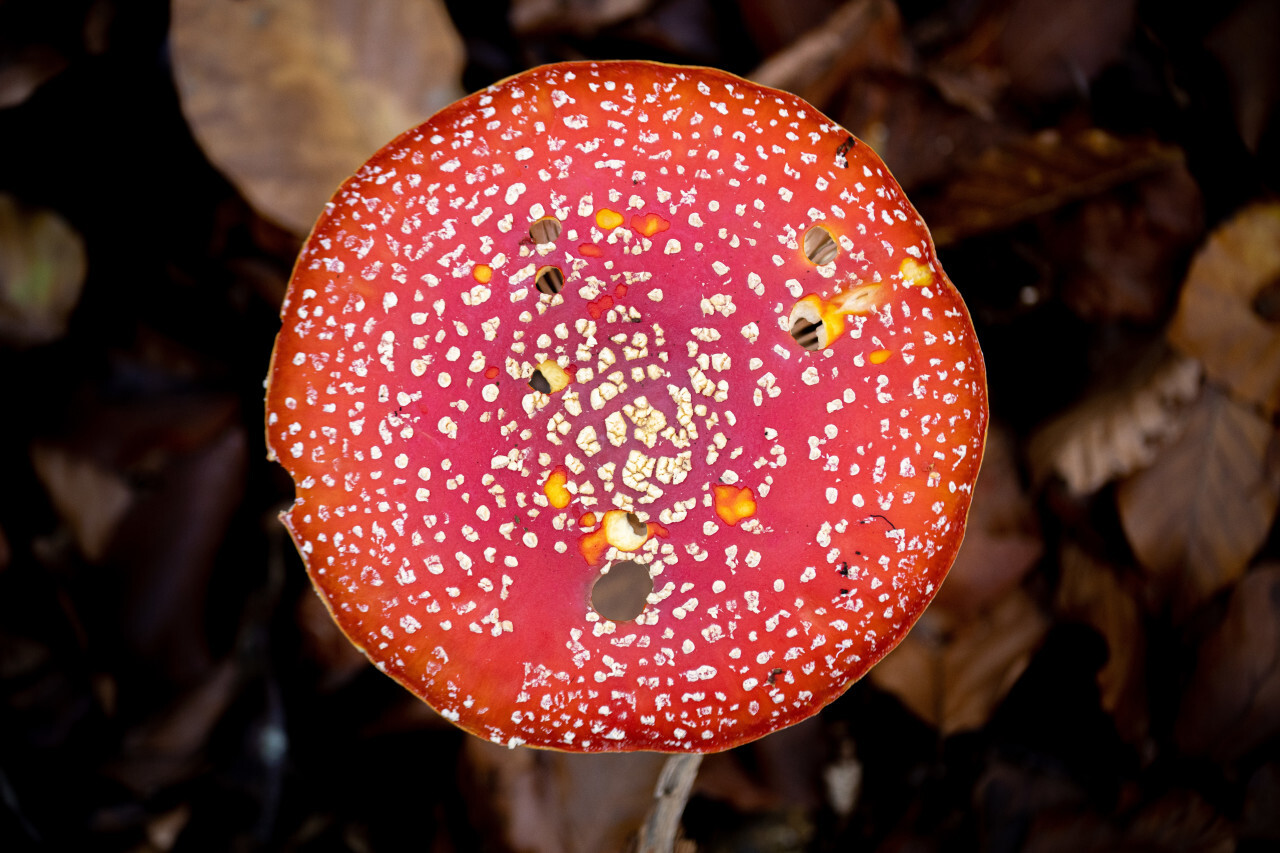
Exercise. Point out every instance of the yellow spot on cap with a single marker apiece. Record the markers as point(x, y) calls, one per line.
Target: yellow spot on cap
point(734, 504)
point(556, 376)
point(623, 531)
point(915, 274)
point(880, 356)
point(482, 273)
point(649, 224)
point(608, 219)
point(554, 488)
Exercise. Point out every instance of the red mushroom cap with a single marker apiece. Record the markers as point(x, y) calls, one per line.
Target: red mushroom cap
point(612, 314)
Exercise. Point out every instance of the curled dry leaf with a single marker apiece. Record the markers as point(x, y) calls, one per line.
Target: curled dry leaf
point(1116, 432)
point(1224, 318)
point(955, 680)
point(1091, 592)
point(1233, 701)
point(42, 270)
point(287, 99)
point(1198, 514)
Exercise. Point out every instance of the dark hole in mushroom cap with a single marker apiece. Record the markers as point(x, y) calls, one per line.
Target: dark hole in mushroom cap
point(539, 383)
point(545, 230)
point(807, 333)
point(549, 280)
point(621, 594)
point(1266, 304)
point(819, 246)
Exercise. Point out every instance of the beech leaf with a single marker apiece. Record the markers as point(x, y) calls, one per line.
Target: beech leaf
point(954, 680)
point(288, 99)
point(1013, 182)
point(1120, 430)
point(91, 499)
point(1224, 317)
point(1090, 591)
point(1198, 514)
point(1233, 701)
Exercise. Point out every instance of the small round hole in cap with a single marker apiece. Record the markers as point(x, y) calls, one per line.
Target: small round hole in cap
point(549, 280)
point(807, 325)
point(819, 246)
point(545, 230)
point(621, 594)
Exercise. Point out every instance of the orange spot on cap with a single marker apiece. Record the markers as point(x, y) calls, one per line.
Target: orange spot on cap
point(649, 224)
point(734, 504)
point(554, 488)
point(590, 250)
point(482, 273)
point(596, 308)
point(491, 372)
point(880, 356)
point(587, 520)
point(608, 219)
point(593, 546)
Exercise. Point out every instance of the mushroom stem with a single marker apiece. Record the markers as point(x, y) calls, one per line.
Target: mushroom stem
point(658, 834)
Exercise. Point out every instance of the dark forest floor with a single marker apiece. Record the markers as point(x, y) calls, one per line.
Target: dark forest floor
point(1102, 669)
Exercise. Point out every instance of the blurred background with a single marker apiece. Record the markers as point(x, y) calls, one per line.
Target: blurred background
point(1101, 670)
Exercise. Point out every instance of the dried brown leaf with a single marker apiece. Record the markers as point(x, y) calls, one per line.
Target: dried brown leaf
point(554, 802)
point(1178, 822)
point(1198, 514)
point(1260, 819)
point(583, 17)
point(171, 746)
point(1251, 64)
point(1120, 256)
point(1027, 177)
point(954, 681)
point(91, 499)
point(860, 35)
point(1222, 319)
point(288, 99)
point(324, 643)
point(1090, 592)
point(27, 69)
point(1119, 430)
point(1233, 701)
point(42, 270)
point(1051, 49)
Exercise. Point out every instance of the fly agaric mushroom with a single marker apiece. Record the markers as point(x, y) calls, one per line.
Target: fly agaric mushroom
point(625, 323)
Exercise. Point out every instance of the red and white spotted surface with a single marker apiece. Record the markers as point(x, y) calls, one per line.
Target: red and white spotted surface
point(615, 312)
